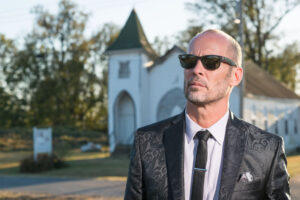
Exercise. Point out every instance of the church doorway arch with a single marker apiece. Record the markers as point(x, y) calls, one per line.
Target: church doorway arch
point(172, 103)
point(124, 119)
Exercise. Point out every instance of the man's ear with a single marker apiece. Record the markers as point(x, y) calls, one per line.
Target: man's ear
point(237, 76)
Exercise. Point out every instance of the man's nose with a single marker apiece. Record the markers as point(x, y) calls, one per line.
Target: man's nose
point(199, 68)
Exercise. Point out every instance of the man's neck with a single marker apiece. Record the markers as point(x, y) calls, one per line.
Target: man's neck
point(206, 115)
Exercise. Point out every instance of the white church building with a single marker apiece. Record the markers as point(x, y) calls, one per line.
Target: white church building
point(144, 88)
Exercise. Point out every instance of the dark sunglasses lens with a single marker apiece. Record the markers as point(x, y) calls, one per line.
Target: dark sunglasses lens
point(188, 61)
point(211, 62)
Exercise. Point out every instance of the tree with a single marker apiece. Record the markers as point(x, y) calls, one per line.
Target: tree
point(184, 37)
point(277, 65)
point(161, 45)
point(12, 112)
point(55, 72)
point(99, 42)
point(260, 20)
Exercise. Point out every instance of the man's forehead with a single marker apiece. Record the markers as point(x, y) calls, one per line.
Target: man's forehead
point(214, 36)
point(207, 41)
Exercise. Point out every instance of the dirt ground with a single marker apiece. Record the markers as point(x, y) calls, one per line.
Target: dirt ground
point(29, 196)
point(25, 195)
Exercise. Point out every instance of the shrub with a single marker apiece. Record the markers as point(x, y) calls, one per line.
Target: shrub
point(61, 148)
point(44, 163)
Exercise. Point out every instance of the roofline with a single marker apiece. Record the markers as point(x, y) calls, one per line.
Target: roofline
point(162, 58)
point(120, 51)
point(266, 73)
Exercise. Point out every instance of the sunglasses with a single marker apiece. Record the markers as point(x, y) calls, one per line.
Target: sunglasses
point(210, 62)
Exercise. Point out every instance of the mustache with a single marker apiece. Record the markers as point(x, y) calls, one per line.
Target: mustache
point(196, 79)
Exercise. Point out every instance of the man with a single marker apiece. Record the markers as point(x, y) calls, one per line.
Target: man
point(206, 152)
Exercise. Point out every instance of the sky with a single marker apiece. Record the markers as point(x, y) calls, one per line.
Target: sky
point(158, 17)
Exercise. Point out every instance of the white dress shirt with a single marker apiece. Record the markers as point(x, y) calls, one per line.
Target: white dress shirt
point(214, 157)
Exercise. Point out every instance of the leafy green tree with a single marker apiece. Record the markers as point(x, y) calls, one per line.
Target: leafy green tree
point(184, 37)
point(161, 45)
point(12, 112)
point(98, 59)
point(56, 71)
point(288, 57)
point(12, 109)
point(260, 20)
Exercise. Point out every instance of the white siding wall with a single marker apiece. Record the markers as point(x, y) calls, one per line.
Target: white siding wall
point(234, 101)
point(275, 112)
point(163, 78)
point(144, 93)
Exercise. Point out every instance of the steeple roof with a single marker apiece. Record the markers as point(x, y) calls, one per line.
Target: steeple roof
point(132, 36)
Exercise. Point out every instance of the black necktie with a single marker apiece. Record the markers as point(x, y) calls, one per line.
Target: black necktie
point(200, 165)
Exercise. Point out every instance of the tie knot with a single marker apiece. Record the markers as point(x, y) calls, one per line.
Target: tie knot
point(203, 135)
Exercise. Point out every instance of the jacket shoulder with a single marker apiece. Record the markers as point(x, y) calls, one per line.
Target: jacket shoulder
point(256, 135)
point(161, 125)
point(260, 132)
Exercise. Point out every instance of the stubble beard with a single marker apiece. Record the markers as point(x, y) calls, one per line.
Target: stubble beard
point(211, 95)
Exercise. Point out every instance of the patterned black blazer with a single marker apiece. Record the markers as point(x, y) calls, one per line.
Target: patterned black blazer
point(156, 166)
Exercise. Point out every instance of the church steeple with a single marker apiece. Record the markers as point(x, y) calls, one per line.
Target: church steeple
point(132, 36)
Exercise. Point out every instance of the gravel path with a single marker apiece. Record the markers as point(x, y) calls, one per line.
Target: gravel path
point(295, 187)
point(62, 186)
point(91, 187)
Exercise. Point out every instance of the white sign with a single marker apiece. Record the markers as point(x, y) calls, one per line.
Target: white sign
point(42, 141)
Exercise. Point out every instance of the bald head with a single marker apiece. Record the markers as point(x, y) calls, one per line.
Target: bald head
point(233, 47)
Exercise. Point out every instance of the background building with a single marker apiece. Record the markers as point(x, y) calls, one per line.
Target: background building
point(144, 88)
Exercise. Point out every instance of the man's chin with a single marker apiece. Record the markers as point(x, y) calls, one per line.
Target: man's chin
point(195, 100)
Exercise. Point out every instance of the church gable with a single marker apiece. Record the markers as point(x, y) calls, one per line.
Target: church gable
point(132, 36)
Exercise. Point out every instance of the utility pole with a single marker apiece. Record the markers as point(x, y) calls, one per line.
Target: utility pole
point(241, 41)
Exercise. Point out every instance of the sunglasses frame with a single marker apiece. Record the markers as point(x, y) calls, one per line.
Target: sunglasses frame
point(221, 59)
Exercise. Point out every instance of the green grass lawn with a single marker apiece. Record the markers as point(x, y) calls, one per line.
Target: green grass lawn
point(86, 165)
point(94, 165)
point(293, 165)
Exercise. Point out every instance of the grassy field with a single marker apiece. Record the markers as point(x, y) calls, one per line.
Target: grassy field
point(93, 164)
point(293, 165)
point(15, 145)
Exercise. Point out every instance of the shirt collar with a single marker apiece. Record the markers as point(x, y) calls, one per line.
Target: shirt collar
point(217, 129)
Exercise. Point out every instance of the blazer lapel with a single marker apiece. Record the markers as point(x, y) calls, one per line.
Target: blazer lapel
point(232, 157)
point(174, 145)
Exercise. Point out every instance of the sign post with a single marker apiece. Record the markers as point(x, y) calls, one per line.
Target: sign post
point(42, 142)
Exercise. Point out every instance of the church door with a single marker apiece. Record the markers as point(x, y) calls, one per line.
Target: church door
point(125, 120)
